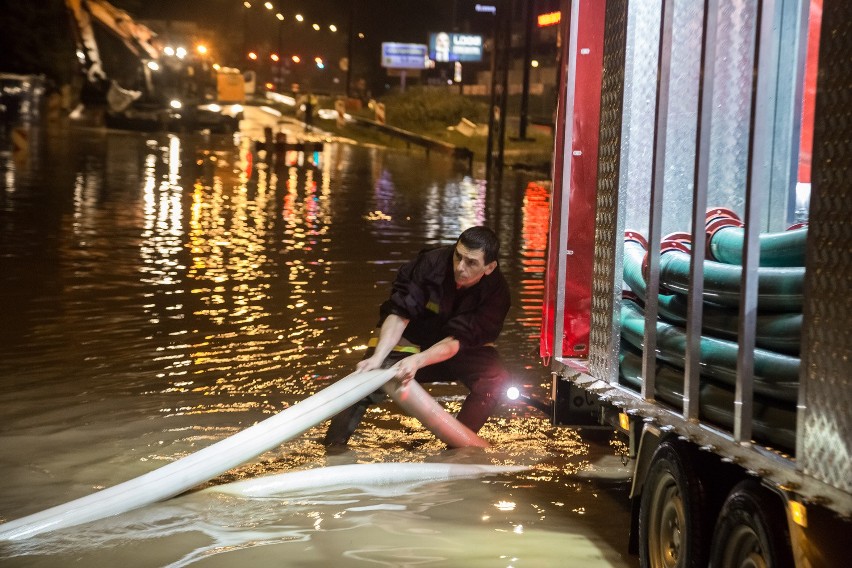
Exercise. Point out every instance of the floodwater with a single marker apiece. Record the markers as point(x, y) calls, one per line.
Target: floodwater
point(163, 292)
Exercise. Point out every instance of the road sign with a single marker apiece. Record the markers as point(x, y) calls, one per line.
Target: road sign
point(404, 55)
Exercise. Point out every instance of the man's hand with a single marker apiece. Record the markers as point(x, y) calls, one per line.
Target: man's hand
point(368, 364)
point(406, 368)
point(389, 335)
point(441, 351)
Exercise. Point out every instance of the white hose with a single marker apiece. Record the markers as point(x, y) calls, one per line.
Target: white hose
point(366, 475)
point(196, 468)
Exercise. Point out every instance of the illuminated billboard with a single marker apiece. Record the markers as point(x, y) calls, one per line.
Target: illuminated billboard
point(444, 46)
point(404, 55)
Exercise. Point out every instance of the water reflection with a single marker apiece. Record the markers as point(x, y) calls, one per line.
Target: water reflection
point(536, 211)
point(187, 287)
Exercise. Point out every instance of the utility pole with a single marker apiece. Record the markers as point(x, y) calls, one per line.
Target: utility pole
point(525, 93)
point(350, 39)
point(502, 43)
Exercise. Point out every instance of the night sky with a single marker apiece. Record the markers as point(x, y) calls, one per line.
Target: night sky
point(237, 31)
point(390, 20)
point(36, 37)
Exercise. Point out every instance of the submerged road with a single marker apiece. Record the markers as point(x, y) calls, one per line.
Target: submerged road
point(163, 292)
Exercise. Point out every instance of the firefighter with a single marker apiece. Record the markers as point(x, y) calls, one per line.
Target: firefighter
point(444, 313)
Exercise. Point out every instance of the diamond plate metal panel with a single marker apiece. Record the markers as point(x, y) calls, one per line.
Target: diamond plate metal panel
point(826, 419)
point(609, 218)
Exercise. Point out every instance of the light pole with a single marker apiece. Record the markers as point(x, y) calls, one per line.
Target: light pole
point(525, 93)
point(502, 38)
point(280, 61)
point(349, 50)
point(247, 7)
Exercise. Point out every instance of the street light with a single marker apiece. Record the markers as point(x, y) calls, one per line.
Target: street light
point(268, 5)
point(247, 6)
point(279, 71)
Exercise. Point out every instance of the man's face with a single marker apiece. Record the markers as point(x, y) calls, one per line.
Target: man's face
point(469, 266)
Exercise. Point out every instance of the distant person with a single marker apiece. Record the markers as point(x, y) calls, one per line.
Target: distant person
point(361, 92)
point(445, 311)
point(309, 113)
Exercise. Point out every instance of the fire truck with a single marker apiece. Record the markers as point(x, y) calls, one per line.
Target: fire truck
point(699, 268)
point(140, 83)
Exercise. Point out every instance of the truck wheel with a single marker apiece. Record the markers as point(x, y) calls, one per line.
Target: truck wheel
point(671, 513)
point(751, 531)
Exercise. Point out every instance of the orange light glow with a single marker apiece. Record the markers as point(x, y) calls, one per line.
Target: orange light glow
point(549, 19)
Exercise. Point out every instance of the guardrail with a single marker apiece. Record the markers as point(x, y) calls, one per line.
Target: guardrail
point(458, 152)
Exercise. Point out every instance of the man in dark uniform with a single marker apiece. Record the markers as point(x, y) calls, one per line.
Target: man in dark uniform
point(444, 313)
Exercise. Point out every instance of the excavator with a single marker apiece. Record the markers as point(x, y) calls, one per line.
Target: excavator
point(136, 82)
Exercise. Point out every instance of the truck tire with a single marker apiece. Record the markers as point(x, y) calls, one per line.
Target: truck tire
point(751, 531)
point(672, 518)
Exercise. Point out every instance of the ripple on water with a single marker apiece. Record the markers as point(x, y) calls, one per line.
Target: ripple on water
point(163, 292)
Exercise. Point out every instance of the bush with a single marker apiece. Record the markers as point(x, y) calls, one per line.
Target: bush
point(421, 109)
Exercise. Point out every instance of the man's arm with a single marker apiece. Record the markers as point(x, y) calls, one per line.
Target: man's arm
point(389, 335)
point(441, 351)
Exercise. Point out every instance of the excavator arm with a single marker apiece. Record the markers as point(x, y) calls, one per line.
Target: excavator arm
point(119, 55)
point(137, 38)
point(87, 47)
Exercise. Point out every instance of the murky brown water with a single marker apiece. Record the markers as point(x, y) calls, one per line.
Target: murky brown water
point(160, 293)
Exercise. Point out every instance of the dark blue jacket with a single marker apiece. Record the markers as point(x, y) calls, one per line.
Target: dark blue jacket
point(424, 292)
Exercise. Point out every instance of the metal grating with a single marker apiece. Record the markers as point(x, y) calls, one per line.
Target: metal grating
point(826, 420)
point(640, 94)
point(735, 37)
point(609, 225)
point(682, 116)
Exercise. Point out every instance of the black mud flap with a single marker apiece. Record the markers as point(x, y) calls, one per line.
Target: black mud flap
point(573, 406)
